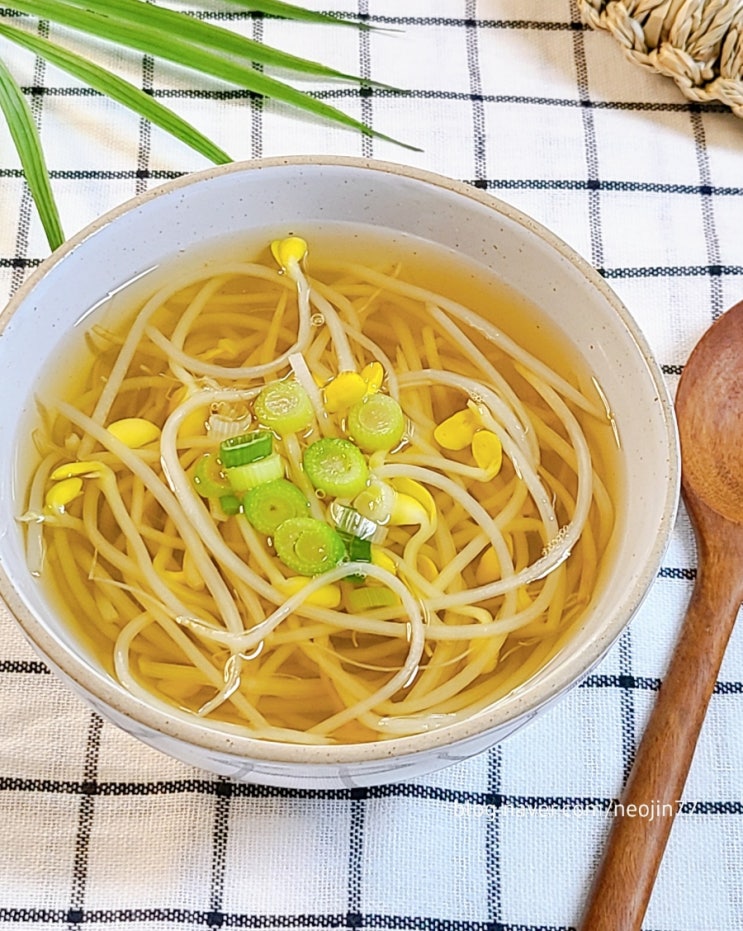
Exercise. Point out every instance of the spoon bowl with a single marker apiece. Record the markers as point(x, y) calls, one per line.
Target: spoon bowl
point(712, 383)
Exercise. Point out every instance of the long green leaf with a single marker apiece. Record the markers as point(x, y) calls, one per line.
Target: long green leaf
point(26, 139)
point(290, 11)
point(167, 45)
point(119, 90)
point(215, 38)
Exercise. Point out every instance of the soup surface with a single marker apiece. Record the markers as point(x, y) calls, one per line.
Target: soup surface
point(328, 486)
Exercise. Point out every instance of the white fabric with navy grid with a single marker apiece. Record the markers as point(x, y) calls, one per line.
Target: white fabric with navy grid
point(521, 100)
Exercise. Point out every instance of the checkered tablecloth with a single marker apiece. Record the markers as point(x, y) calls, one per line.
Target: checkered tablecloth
point(518, 98)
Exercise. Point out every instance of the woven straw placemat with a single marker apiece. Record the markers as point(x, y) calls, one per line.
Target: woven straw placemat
point(697, 43)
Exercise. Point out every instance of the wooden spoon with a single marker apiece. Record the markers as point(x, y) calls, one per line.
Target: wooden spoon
point(709, 407)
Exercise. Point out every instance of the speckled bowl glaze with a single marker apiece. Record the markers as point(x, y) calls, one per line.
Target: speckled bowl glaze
point(266, 193)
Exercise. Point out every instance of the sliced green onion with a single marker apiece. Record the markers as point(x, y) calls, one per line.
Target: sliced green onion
point(356, 532)
point(209, 478)
point(377, 501)
point(245, 477)
point(336, 467)
point(245, 448)
point(228, 418)
point(368, 598)
point(285, 407)
point(376, 422)
point(268, 505)
point(308, 546)
point(230, 504)
point(358, 550)
point(349, 521)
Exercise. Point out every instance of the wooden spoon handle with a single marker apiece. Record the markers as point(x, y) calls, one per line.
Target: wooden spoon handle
point(644, 818)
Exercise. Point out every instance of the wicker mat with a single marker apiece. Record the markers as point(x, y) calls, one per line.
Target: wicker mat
point(697, 43)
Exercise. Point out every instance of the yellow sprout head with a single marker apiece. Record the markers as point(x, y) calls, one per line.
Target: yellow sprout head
point(288, 252)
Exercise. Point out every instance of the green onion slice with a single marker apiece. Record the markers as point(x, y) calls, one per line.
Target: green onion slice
point(376, 422)
point(308, 546)
point(377, 501)
point(244, 477)
point(349, 521)
point(209, 478)
point(356, 531)
point(285, 407)
point(230, 504)
point(336, 467)
point(268, 505)
point(358, 550)
point(368, 597)
point(245, 448)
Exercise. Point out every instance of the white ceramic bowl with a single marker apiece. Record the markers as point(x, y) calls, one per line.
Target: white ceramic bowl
point(293, 191)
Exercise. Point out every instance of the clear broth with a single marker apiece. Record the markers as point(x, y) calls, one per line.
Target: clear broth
point(307, 695)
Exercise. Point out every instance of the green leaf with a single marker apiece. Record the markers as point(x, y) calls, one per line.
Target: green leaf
point(119, 90)
point(290, 11)
point(215, 38)
point(145, 36)
point(26, 139)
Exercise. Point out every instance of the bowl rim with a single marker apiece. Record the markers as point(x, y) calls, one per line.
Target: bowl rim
point(105, 693)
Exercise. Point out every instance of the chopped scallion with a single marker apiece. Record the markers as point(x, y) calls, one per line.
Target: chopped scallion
point(336, 466)
point(358, 550)
point(285, 407)
point(245, 477)
point(367, 597)
point(230, 504)
point(245, 448)
point(209, 478)
point(349, 521)
point(270, 504)
point(377, 501)
point(356, 532)
point(376, 422)
point(308, 546)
